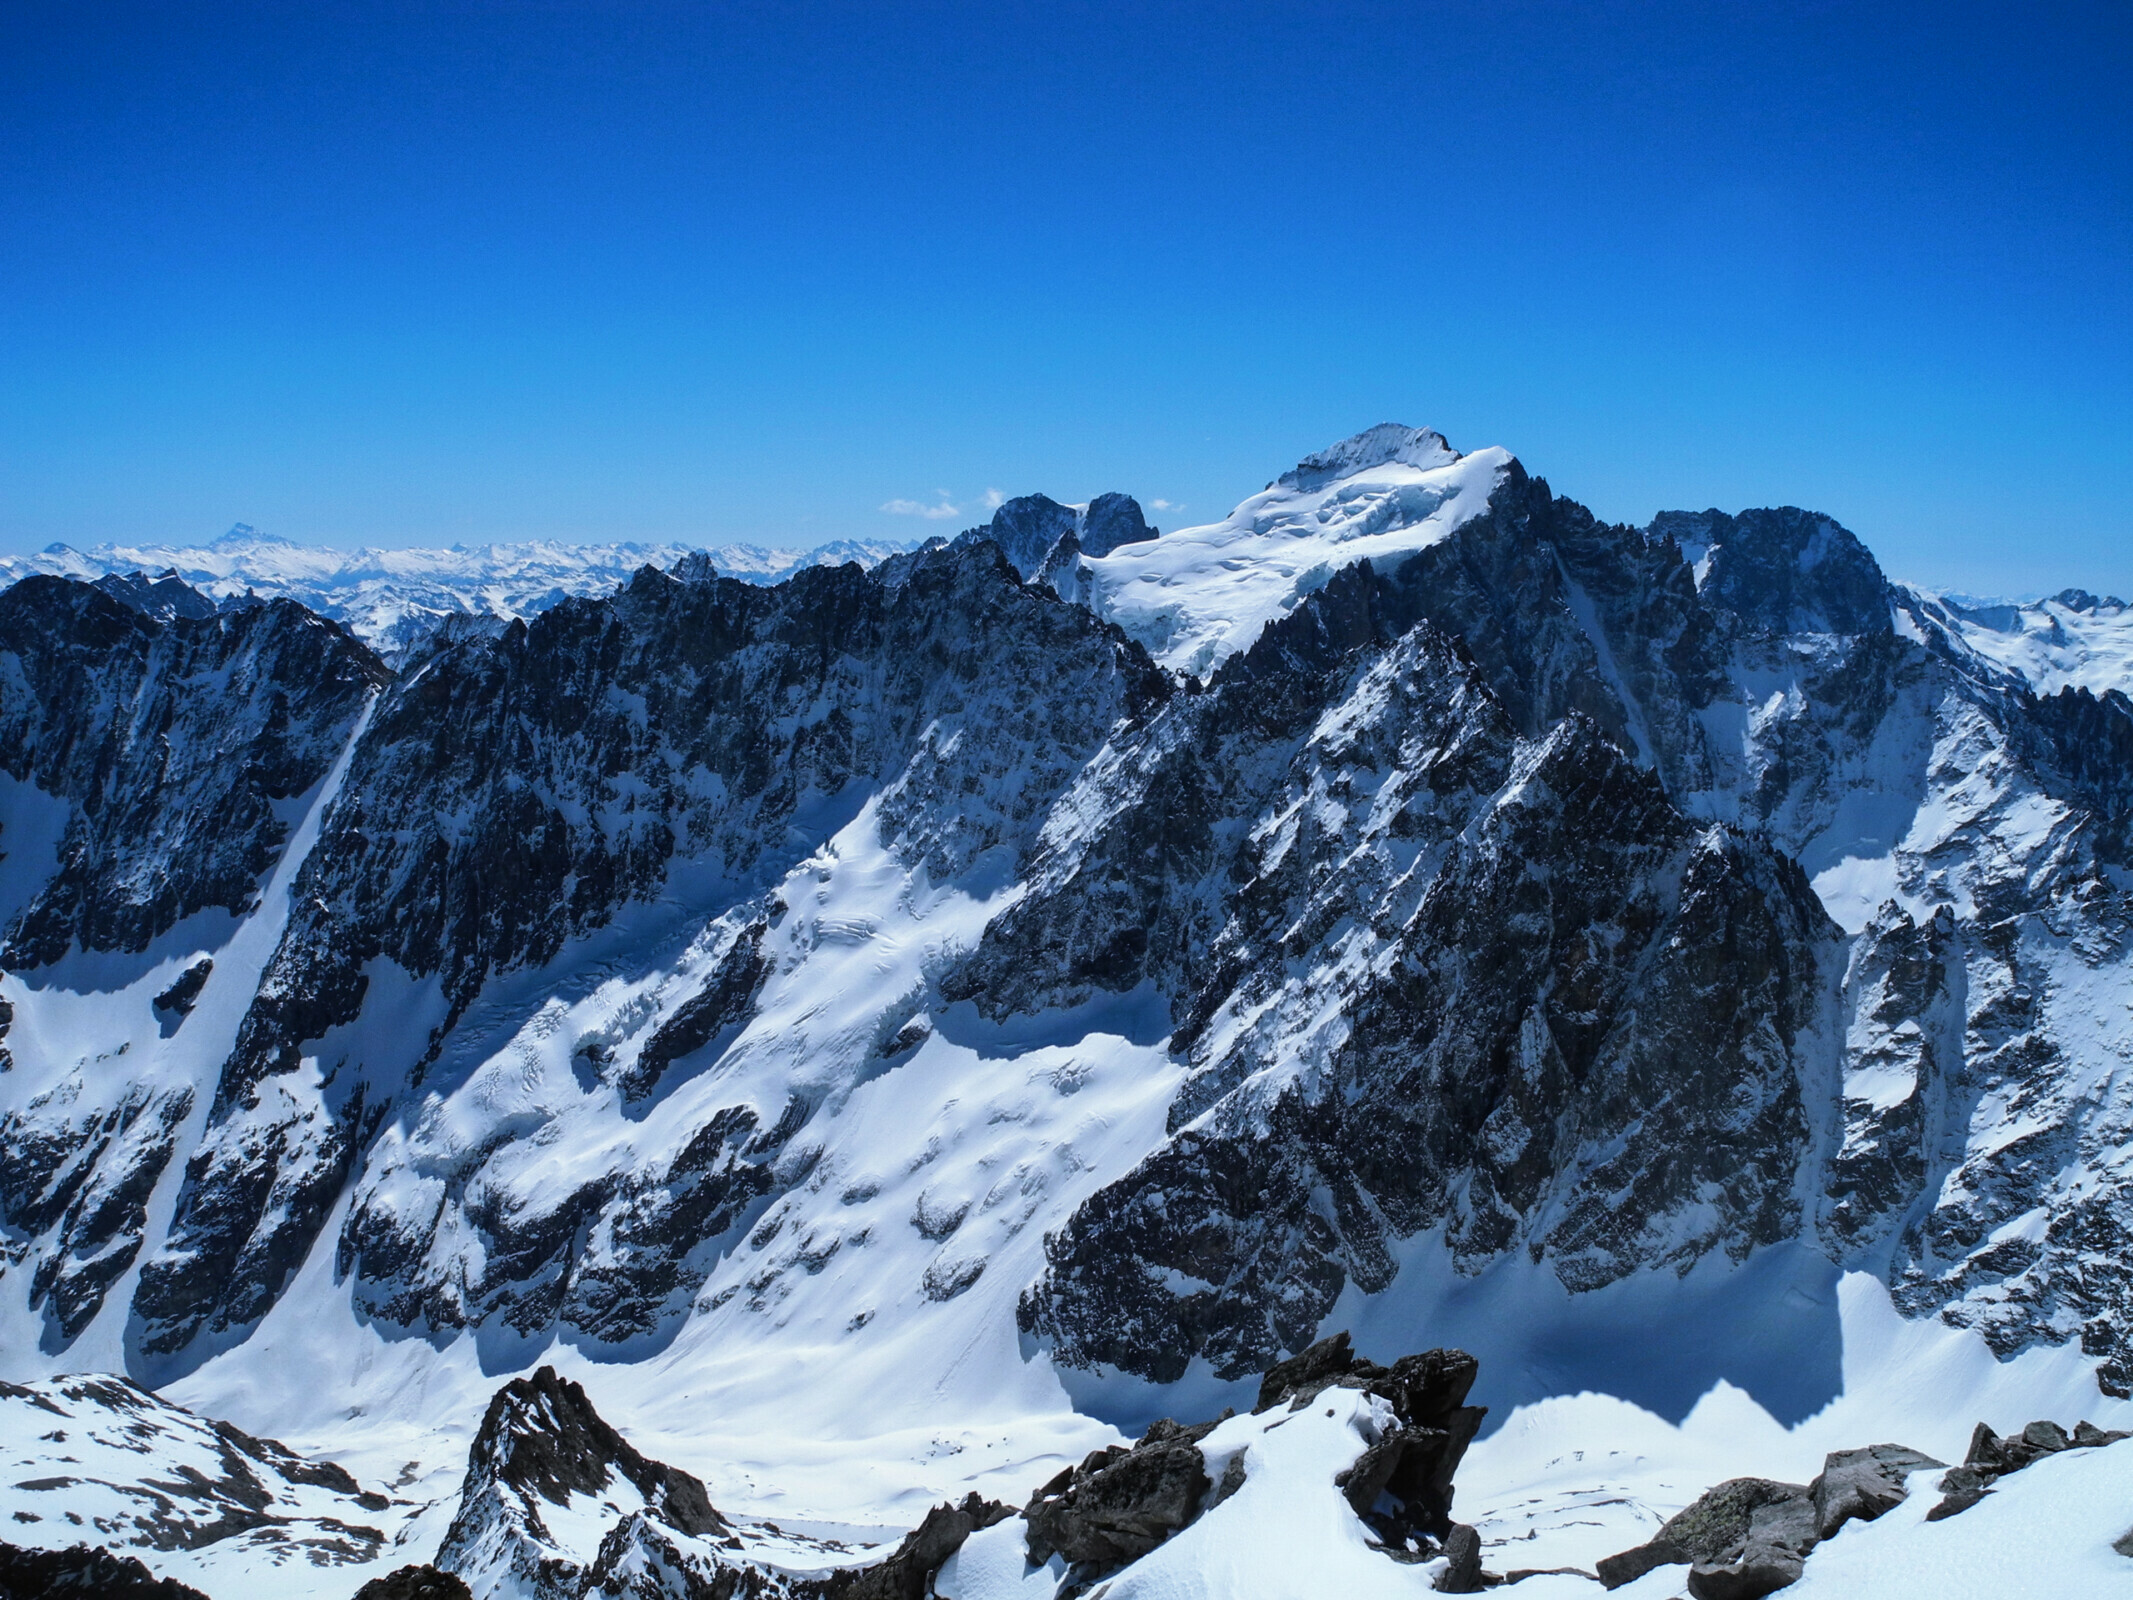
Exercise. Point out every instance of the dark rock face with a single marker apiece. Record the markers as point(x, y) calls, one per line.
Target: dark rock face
point(89, 1571)
point(1785, 570)
point(1121, 1502)
point(170, 743)
point(542, 1437)
point(83, 1184)
point(1042, 538)
point(722, 1003)
point(714, 722)
point(1477, 897)
point(1112, 520)
point(542, 1443)
point(1491, 1022)
point(164, 597)
point(1698, 1041)
point(1026, 528)
point(1462, 1570)
point(178, 1000)
point(423, 1582)
point(1907, 981)
point(1402, 1484)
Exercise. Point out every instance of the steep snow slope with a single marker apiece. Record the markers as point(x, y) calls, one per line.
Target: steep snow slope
point(392, 599)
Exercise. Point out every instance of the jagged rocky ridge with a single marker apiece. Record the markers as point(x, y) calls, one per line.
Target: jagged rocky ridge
point(1614, 901)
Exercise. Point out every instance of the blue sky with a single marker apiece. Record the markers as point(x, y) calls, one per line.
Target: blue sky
point(399, 274)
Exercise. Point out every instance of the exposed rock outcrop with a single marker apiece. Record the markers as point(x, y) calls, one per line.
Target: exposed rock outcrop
point(89, 1572)
point(1745, 1538)
point(1863, 1484)
point(1991, 1458)
point(541, 1442)
point(1752, 1536)
point(1124, 1501)
point(416, 1582)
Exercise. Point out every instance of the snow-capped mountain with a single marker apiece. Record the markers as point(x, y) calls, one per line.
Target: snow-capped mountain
point(393, 599)
point(883, 1032)
point(2074, 639)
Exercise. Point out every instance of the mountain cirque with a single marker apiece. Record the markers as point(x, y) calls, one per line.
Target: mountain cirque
point(1047, 978)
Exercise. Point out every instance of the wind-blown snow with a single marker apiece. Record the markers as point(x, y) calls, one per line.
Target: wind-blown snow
point(1197, 596)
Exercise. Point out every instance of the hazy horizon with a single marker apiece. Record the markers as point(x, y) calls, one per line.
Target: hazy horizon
point(398, 275)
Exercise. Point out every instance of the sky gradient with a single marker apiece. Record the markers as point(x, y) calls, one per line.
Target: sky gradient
point(424, 273)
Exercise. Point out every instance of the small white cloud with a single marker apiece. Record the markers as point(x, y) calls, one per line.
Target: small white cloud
point(915, 508)
point(994, 499)
point(1168, 505)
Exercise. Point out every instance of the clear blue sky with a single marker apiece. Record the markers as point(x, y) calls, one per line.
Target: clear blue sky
point(445, 271)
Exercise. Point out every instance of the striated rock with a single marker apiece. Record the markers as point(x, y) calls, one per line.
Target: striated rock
point(158, 1477)
point(1744, 1538)
point(1862, 1484)
point(702, 722)
point(1500, 1072)
point(1121, 1502)
point(1477, 901)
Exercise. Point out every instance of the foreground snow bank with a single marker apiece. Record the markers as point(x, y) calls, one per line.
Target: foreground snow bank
point(2048, 1530)
point(1286, 1531)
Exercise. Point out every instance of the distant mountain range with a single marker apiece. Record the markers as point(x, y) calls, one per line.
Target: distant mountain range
point(391, 599)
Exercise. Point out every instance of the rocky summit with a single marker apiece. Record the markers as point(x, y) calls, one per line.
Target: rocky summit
point(709, 1086)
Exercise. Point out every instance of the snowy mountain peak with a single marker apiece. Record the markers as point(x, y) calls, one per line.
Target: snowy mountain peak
point(243, 536)
point(1198, 596)
point(1374, 447)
